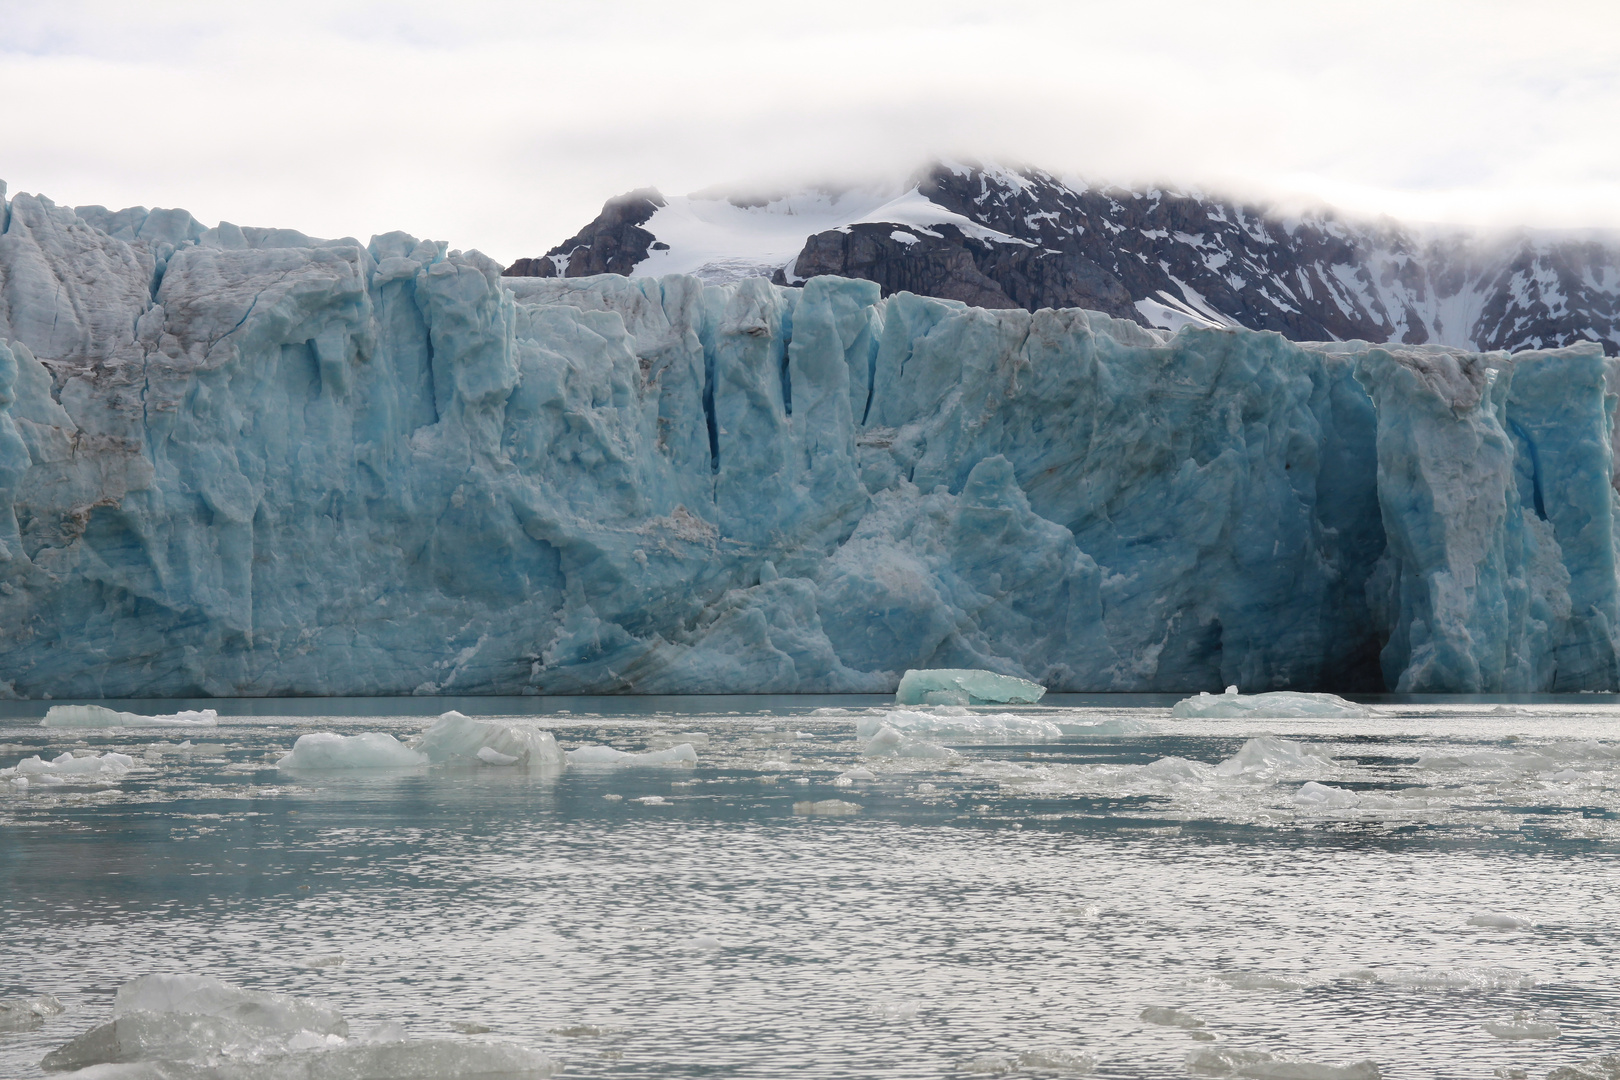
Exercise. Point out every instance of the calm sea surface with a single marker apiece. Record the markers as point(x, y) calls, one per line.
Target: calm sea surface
point(1374, 889)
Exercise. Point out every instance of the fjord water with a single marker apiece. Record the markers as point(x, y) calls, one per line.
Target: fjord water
point(1338, 891)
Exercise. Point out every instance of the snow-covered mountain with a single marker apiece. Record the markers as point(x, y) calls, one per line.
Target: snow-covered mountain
point(1002, 238)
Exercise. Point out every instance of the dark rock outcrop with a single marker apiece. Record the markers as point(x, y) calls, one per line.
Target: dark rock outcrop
point(942, 261)
point(612, 244)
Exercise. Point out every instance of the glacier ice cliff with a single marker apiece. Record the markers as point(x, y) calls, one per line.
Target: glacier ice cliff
point(243, 461)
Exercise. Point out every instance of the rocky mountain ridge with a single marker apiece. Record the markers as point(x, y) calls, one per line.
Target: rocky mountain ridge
point(1001, 238)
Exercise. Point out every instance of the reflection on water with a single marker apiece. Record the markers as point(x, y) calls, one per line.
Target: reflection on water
point(1420, 889)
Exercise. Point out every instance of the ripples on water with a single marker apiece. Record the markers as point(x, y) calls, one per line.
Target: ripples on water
point(1365, 889)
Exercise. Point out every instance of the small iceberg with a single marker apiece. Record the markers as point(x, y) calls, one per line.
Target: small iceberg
point(1280, 705)
point(67, 769)
point(189, 1025)
point(965, 686)
point(322, 750)
point(592, 754)
point(1523, 1027)
point(1258, 1065)
point(826, 808)
point(27, 1013)
point(454, 737)
point(97, 716)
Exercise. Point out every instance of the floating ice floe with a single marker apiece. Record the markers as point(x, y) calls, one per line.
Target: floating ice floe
point(66, 768)
point(1281, 705)
point(190, 1026)
point(1461, 977)
point(1167, 1017)
point(1038, 1062)
point(1500, 920)
point(965, 686)
point(97, 716)
point(1259, 1065)
point(958, 724)
point(1523, 1027)
point(1269, 754)
point(494, 742)
point(1606, 1067)
point(592, 754)
point(322, 750)
point(827, 808)
point(888, 742)
point(1117, 726)
point(27, 1013)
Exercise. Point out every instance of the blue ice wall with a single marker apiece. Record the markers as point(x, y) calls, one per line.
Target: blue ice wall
point(238, 461)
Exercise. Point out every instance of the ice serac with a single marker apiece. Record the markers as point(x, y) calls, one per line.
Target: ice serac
point(247, 462)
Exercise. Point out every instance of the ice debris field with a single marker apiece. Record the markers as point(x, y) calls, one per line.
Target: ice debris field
point(242, 461)
point(1279, 886)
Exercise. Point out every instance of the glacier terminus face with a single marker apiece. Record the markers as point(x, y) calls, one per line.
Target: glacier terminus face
point(247, 462)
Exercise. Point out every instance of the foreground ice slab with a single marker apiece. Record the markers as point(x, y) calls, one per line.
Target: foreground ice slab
point(191, 1027)
point(94, 716)
point(1277, 705)
point(371, 750)
point(950, 686)
point(245, 461)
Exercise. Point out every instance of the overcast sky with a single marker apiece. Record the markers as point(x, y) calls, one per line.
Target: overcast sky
point(503, 126)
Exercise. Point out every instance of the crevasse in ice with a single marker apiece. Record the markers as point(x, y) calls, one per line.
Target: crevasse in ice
point(243, 461)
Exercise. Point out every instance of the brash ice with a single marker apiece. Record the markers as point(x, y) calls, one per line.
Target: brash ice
point(243, 461)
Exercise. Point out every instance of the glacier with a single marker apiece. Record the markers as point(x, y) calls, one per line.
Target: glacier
point(240, 461)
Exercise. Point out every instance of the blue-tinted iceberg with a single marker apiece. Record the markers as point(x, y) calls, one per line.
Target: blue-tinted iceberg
point(244, 461)
point(952, 686)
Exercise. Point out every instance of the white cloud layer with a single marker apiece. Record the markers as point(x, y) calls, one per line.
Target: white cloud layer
point(503, 125)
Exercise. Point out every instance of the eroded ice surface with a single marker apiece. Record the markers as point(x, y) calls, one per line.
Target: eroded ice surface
point(246, 461)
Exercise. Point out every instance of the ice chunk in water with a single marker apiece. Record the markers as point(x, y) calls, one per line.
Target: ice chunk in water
point(97, 716)
point(1522, 1027)
point(827, 808)
point(1231, 1061)
point(204, 996)
point(168, 1027)
point(965, 686)
point(368, 750)
point(964, 726)
point(494, 742)
point(1038, 1062)
point(591, 754)
point(890, 743)
point(65, 768)
point(1268, 754)
point(1499, 920)
point(1316, 796)
point(1166, 1017)
point(1606, 1067)
point(1280, 705)
point(25, 1013)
